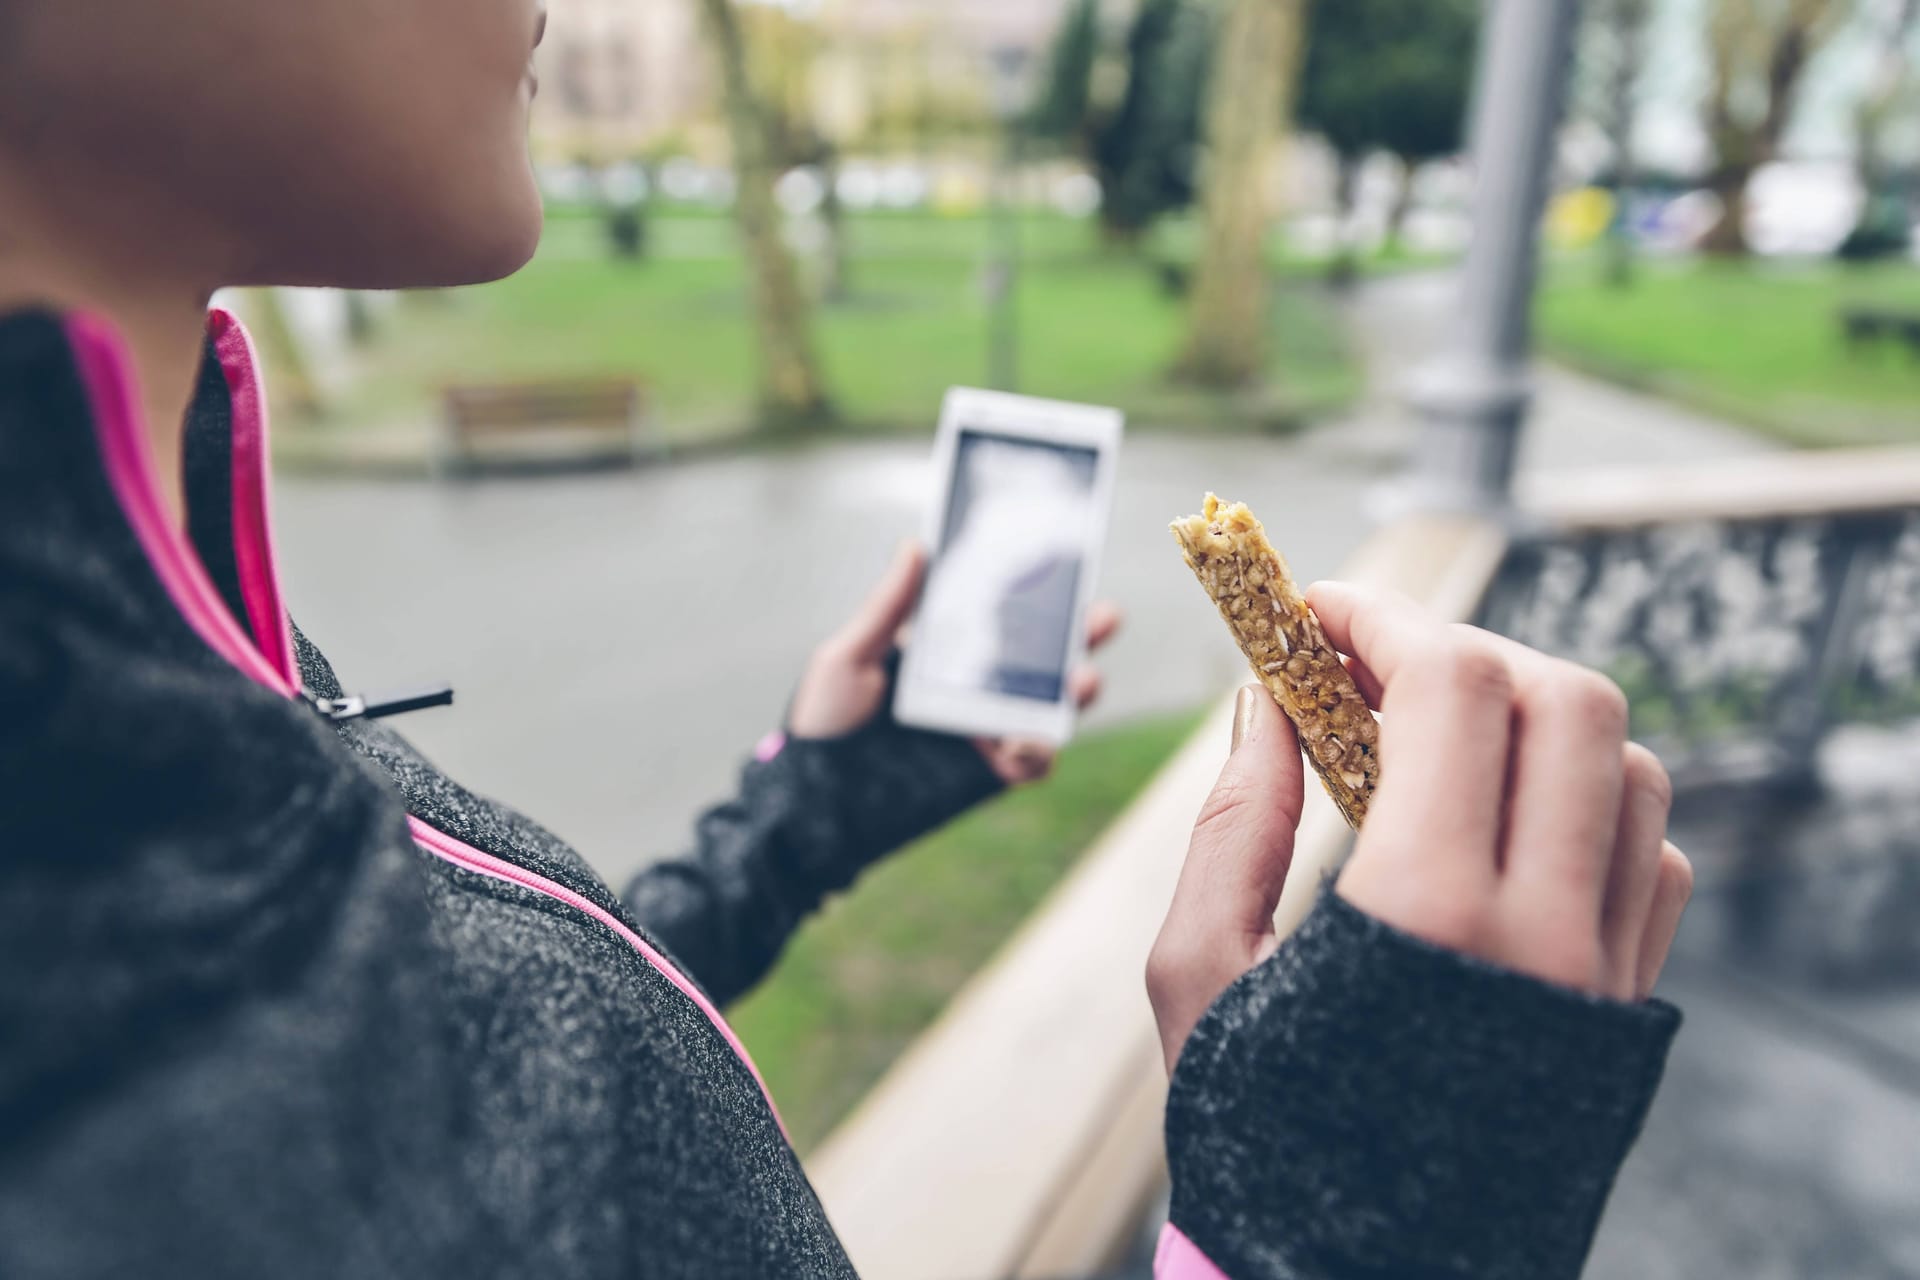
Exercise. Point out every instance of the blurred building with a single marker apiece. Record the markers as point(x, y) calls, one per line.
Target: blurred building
point(901, 71)
point(621, 75)
point(616, 75)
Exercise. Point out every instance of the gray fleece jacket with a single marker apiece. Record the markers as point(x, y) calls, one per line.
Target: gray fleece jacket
point(277, 997)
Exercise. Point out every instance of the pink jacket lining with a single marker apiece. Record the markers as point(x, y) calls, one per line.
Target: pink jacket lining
point(1178, 1258)
point(108, 378)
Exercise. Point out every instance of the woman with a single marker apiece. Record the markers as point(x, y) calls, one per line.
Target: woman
point(278, 997)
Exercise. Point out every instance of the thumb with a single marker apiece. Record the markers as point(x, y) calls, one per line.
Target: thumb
point(1221, 922)
point(871, 632)
point(1243, 841)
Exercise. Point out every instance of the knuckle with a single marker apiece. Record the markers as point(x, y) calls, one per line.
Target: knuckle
point(1589, 699)
point(1472, 666)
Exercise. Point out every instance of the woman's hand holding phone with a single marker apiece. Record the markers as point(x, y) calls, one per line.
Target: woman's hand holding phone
point(848, 679)
point(1514, 822)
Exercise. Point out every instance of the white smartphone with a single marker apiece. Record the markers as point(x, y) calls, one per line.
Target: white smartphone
point(1025, 490)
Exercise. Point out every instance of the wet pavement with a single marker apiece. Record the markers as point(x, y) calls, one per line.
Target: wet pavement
point(619, 640)
point(1786, 1140)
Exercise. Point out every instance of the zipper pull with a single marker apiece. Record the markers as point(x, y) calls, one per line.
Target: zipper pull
point(363, 707)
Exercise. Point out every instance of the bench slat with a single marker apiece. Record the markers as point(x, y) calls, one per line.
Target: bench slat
point(559, 411)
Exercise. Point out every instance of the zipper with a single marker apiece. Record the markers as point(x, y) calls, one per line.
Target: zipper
point(101, 360)
point(465, 856)
point(363, 707)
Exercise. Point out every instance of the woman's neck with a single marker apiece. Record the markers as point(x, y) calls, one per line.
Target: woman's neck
point(163, 324)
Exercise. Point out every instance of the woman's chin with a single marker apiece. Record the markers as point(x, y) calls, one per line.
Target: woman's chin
point(468, 245)
point(518, 241)
point(485, 248)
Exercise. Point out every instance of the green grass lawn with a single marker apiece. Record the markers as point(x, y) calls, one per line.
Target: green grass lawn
point(866, 977)
point(1760, 343)
point(1094, 325)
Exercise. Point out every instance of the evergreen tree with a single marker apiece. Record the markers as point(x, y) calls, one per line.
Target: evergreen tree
point(1388, 75)
point(1148, 152)
point(1064, 110)
point(1143, 148)
point(1882, 230)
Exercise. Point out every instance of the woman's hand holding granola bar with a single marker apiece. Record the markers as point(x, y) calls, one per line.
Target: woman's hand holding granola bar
point(1512, 822)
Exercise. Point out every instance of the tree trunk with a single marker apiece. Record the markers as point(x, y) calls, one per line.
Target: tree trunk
point(1341, 267)
point(834, 283)
point(1739, 35)
point(792, 393)
point(360, 327)
point(1402, 203)
point(1628, 18)
point(1727, 238)
point(1251, 96)
point(1729, 28)
point(296, 384)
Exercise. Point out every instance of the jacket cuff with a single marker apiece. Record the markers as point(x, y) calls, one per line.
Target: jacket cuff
point(1364, 1103)
point(865, 794)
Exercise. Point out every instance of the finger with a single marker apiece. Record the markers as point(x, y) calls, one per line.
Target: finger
point(1103, 620)
point(1084, 686)
point(1370, 687)
point(1383, 630)
point(1448, 694)
point(1017, 762)
point(1564, 797)
point(1565, 819)
point(1663, 920)
point(1449, 714)
point(1242, 843)
point(1635, 873)
point(1221, 920)
point(872, 631)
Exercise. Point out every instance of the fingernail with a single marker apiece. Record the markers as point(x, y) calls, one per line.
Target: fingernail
point(1245, 706)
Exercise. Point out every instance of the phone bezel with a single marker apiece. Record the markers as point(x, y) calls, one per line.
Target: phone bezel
point(976, 712)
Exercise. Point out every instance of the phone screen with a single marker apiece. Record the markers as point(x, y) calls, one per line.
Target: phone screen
point(997, 614)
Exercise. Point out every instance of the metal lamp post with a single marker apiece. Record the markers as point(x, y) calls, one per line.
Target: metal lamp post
point(1475, 398)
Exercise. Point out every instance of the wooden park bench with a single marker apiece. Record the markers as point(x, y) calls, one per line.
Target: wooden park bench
point(1865, 326)
point(559, 423)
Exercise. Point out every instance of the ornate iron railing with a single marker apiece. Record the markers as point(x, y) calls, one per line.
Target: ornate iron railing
point(1740, 642)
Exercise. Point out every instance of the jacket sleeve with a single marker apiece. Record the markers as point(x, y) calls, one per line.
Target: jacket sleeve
point(1364, 1104)
point(810, 815)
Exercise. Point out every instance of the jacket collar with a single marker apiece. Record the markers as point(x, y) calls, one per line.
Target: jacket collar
point(69, 411)
point(229, 491)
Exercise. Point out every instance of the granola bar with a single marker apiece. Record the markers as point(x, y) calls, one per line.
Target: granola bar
point(1227, 549)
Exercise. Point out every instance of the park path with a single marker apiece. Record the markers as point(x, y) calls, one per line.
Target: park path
point(619, 639)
